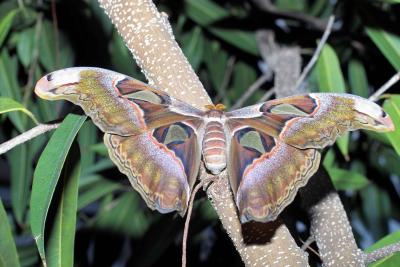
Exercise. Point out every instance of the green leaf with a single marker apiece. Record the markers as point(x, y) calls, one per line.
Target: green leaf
point(386, 160)
point(243, 76)
point(51, 56)
point(101, 165)
point(9, 105)
point(60, 247)
point(329, 159)
point(204, 12)
point(207, 211)
point(25, 46)
point(358, 78)
point(376, 208)
point(193, 46)
point(100, 148)
point(28, 255)
point(124, 215)
point(391, 1)
point(121, 58)
point(5, 25)
point(21, 175)
point(390, 261)
point(216, 60)
point(96, 190)
point(243, 40)
point(47, 173)
point(347, 180)
point(86, 139)
point(388, 43)
point(9, 85)
point(330, 79)
point(392, 107)
point(317, 7)
point(8, 251)
point(297, 6)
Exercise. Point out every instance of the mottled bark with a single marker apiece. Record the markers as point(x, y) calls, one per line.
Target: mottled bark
point(259, 244)
point(329, 224)
point(148, 35)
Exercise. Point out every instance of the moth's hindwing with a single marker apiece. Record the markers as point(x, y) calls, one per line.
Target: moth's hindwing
point(162, 166)
point(265, 173)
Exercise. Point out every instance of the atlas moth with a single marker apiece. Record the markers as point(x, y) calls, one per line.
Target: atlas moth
point(270, 149)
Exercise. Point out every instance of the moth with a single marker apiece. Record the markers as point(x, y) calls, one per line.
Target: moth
point(270, 150)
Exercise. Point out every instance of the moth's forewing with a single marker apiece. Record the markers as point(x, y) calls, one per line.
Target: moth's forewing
point(132, 115)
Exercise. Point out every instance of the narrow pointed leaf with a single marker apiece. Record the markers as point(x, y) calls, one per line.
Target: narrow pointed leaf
point(60, 247)
point(10, 105)
point(388, 43)
point(8, 251)
point(5, 25)
point(47, 173)
point(21, 175)
point(392, 107)
point(95, 190)
point(358, 78)
point(205, 12)
point(9, 85)
point(347, 180)
point(330, 79)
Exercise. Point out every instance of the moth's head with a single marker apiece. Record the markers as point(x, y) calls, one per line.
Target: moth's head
point(219, 107)
point(371, 116)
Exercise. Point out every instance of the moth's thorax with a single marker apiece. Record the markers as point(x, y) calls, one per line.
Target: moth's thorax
point(214, 142)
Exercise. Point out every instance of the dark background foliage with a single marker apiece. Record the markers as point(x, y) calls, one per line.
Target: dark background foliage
point(114, 227)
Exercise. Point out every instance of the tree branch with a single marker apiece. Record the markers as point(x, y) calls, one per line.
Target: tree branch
point(382, 253)
point(26, 136)
point(329, 224)
point(395, 78)
point(149, 37)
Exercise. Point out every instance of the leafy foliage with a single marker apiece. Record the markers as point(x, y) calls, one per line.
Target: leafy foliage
point(112, 224)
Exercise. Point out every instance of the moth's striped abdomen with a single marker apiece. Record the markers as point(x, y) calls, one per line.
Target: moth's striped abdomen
point(214, 147)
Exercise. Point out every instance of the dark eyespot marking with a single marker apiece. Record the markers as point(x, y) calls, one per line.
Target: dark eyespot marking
point(384, 114)
point(49, 77)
